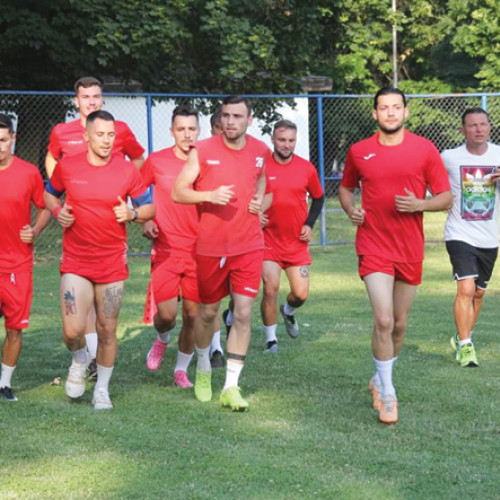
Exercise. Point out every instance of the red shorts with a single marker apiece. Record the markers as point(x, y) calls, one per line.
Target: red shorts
point(16, 292)
point(218, 276)
point(409, 272)
point(300, 257)
point(97, 270)
point(170, 274)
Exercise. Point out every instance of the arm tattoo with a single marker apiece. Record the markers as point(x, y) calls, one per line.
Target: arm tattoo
point(112, 301)
point(69, 302)
point(304, 271)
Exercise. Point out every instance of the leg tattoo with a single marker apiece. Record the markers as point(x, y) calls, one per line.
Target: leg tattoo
point(112, 301)
point(69, 302)
point(304, 271)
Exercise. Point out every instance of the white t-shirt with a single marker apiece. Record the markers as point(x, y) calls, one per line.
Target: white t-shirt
point(474, 215)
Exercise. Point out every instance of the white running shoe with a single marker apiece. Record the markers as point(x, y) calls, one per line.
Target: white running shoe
point(101, 399)
point(75, 383)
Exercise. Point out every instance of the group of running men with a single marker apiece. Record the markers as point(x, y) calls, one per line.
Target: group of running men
point(225, 213)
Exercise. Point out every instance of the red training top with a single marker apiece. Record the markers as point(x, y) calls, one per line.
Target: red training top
point(22, 184)
point(289, 184)
point(384, 172)
point(230, 229)
point(177, 223)
point(92, 192)
point(68, 139)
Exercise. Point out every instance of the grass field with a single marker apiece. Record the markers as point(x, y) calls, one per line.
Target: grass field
point(310, 432)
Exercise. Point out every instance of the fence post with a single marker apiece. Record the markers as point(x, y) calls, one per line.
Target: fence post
point(321, 161)
point(149, 104)
point(484, 102)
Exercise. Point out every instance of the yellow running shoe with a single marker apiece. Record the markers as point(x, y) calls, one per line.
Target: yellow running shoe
point(467, 356)
point(231, 397)
point(203, 386)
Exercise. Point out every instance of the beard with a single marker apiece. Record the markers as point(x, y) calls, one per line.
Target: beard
point(391, 131)
point(283, 156)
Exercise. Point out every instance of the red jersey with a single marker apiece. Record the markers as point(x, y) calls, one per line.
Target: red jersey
point(68, 139)
point(177, 223)
point(92, 192)
point(290, 184)
point(230, 229)
point(22, 185)
point(384, 172)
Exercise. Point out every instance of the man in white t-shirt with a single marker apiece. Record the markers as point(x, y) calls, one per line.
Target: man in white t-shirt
point(471, 229)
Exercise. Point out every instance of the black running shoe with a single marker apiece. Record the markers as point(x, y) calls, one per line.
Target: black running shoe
point(271, 347)
point(92, 371)
point(224, 319)
point(217, 360)
point(6, 394)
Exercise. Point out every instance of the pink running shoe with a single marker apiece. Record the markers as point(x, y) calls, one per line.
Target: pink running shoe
point(155, 355)
point(181, 380)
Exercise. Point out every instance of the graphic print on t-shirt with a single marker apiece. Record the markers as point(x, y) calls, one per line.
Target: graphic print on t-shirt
point(478, 193)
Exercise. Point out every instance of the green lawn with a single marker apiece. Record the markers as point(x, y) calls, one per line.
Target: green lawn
point(310, 432)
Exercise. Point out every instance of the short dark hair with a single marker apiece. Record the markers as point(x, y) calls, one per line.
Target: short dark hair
point(388, 91)
point(86, 82)
point(237, 99)
point(185, 110)
point(473, 111)
point(6, 122)
point(215, 119)
point(100, 113)
point(284, 124)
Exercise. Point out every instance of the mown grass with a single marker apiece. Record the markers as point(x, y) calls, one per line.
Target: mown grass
point(310, 432)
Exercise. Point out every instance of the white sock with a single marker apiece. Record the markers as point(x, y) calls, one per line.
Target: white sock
point(215, 345)
point(233, 371)
point(270, 332)
point(6, 377)
point(376, 379)
point(183, 361)
point(203, 362)
point(230, 317)
point(288, 309)
point(384, 370)
point(91, 340)
point(165, 337)
point(103, 376)
point(464, 342)
point(80, 356)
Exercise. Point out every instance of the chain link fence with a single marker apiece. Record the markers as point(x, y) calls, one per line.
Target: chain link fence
point(327, 126)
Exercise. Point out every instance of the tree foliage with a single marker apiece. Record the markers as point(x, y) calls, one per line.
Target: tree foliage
point(251, 46)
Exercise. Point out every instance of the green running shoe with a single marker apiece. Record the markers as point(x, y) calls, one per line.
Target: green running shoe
point(203, 386)
point(231, 397)
point(467, 356)
point(455, 345)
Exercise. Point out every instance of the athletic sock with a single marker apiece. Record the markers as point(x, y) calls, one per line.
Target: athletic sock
point(203, 356)
point(384, 370)
point(183, 361)
point(215, 345)
point(376, 379)
point(6, 377)
point(80, 356)
point(288, 309)
point(270, 333)
point(461, 343)
point(230, 317)
point(91, 340)
point(233, 371)
point(165, 336)
point(103, 376)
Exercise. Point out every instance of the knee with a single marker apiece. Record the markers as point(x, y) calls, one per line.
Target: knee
point(297, 297)
point(189, 317)
point(478, 294)
point(207, 314)
point(384, 324)
point(243, 315)
point(400, 326)
point(13, 335)
point(270, 290)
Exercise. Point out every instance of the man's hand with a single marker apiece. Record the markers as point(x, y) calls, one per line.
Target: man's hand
point(150, 230)
point(26, 234)
point(122, 212)
point(357, 216)
point(409, 203)
point(305, 233)
point(264, 219)
point(222, 195)
point(255, 205)
point(65, 217)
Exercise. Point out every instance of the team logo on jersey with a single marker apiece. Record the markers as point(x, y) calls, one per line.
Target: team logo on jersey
point(259, 162)
point(367, 157)
point(213, 162)
point(273, 178)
